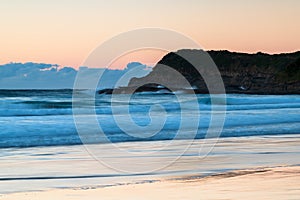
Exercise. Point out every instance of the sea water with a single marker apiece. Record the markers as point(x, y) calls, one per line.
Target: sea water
point(44, 117)
point(40, 147)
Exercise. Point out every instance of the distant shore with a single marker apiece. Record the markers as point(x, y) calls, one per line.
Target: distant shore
point(162, 90)
point(260, 183)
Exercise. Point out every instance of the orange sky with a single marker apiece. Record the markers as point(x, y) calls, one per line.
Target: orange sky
point(65, 31)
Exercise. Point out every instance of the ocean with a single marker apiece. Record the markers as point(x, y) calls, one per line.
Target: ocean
point(40, 147)
point(31, 118)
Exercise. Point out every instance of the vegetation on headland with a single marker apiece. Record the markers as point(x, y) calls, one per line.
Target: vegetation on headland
point(258, 73)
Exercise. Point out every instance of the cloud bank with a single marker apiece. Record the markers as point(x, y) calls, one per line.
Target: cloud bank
point(48, 76)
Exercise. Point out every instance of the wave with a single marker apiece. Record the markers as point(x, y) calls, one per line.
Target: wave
point(24, 107)
point(45, 118)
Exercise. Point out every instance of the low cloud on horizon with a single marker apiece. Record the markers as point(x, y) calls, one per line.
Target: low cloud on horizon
point(49, 76)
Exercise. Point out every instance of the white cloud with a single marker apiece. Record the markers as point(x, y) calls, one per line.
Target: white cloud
point(47, 76)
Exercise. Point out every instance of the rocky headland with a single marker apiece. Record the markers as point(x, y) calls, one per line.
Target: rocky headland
point(258, 73)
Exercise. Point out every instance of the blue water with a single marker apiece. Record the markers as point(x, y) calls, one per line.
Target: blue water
point(45, 118)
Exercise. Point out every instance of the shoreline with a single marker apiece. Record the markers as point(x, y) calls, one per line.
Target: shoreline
point(47, 168)
point(173, 91)
point(278, 182)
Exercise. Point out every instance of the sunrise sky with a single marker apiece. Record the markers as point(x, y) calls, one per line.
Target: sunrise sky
point(64, 32)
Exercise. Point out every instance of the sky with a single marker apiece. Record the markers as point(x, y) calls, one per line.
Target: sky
point(64, 32)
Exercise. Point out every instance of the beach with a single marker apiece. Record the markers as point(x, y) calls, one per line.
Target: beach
point(275, 183)
point(264, 167)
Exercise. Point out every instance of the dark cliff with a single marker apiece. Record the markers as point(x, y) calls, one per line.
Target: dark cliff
point(258, 73)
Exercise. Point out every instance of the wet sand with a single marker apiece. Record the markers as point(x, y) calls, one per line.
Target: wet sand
point(237, 168)
point(260, 183)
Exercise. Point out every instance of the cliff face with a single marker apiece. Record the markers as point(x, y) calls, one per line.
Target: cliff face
point(241, 73)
